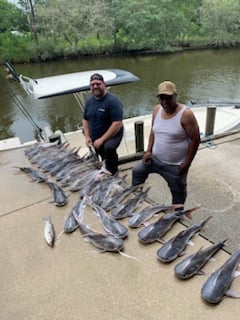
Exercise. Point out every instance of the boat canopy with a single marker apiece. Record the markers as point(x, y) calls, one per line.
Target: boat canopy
point(72, 82)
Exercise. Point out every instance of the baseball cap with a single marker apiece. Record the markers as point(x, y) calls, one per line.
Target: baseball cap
point(96, 76)
point(166, 87)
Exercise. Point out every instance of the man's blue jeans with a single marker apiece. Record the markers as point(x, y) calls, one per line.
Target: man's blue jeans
point(177, 182)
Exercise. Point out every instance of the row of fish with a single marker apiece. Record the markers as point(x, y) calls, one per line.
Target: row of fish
point(218, 283)
point(105, 195)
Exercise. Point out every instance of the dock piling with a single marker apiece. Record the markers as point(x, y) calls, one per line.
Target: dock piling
point(139, 136)
point(210, 120)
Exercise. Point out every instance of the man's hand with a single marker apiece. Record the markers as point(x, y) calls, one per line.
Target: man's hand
point(147, 156)
point(97, 143)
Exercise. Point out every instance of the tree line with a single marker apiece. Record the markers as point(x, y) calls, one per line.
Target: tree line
point(40, 30)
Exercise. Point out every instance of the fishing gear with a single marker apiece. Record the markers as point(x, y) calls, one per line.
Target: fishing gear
point(15, 77)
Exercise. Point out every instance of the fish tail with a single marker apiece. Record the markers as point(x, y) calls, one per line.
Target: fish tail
point(205, 221)
point(188, 213)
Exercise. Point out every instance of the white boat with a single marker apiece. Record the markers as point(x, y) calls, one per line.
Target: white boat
point(226, 117)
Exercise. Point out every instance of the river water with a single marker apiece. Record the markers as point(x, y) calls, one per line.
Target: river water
point(202, 75)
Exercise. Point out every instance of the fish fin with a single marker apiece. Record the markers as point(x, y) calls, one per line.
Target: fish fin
point(146, 223)
point(60, 234)
point(201, 273)
point(212, 259)
point(126, 255)
point(230, 293)
point(190, 243)
point(236, 274)
point(182, 253)
point(161, 240)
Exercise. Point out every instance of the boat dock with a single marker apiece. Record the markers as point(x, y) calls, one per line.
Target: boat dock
point(74, 281)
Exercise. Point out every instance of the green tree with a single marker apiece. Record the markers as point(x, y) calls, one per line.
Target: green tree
point(220, 21)
point(12, 17)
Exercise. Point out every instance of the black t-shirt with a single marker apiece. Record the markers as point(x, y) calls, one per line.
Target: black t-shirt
point(100, 113)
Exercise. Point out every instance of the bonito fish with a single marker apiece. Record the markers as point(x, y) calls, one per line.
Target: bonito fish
point(175, 246)
point(219, 282)
point(155, 231)
point(144, 215)
point(192, 264)
point(49, 233)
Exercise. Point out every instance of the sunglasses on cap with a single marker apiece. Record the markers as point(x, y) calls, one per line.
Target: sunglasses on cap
point(165, 96)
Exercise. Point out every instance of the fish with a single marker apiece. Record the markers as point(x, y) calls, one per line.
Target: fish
point(70, 224)
point(218, 283)
point(49, 233)
point(144, 215)
point(174, 247)
point(115, 199)
point(155, 231)
point(126, 209)
point(105, 187)
point(193, 263)
point(60, 198)
point(78, 210)
point(83, 180)
point(104, 242)
point(111, 225)
point(35, 174)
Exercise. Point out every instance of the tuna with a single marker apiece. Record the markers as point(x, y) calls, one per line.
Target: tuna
point(192, 264)
point(155, 231)
point(219, 282)
point(174, 247)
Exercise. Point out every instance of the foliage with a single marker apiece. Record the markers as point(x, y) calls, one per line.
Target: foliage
point(79, 27)
point(220, 21)
point(12, 18)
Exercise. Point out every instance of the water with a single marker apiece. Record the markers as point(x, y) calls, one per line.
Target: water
point(203, 75)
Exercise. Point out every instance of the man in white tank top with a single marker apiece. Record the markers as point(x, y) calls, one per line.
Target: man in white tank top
point(173, 143)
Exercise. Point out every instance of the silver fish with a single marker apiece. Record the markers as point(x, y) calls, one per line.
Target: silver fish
point(110, 224)
point(126, 209)
point(144, 215)
point(175, 246)
point(49, 233)
point(36, 175)
point(192, 264)
point(219, 282)
point(60, 198)
point(155, 231)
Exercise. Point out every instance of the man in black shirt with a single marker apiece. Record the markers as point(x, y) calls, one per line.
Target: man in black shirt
point(102, 122)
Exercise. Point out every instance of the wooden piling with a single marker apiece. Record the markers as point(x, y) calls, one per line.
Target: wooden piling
point(139, 136)
point(210, 120)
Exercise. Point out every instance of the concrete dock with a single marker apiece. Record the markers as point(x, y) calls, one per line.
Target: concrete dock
point(74, 281)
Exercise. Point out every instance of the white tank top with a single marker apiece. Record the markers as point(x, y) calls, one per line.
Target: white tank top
point(170, 140)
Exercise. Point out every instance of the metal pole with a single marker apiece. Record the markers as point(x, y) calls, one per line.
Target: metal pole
point(210, 120)
point(139, 140)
